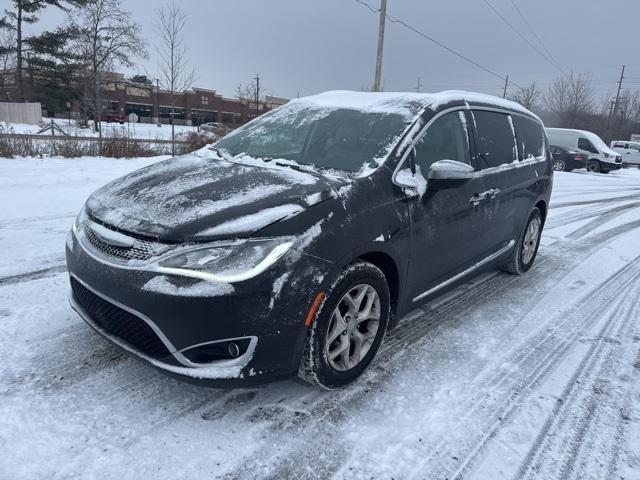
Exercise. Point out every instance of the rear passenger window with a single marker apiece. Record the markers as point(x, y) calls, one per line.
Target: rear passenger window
point(496, 142)
point(530, 137)
point(584, 144)
point(445, 139)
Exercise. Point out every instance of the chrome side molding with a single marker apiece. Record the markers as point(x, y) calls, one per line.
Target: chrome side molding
point(469, 270)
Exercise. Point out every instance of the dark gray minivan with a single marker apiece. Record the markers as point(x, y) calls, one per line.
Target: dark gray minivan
point(287, 247)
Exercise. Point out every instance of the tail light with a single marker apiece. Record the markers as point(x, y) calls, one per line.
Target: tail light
point(578, 157)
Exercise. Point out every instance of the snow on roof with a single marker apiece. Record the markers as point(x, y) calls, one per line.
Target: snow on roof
point(592, 137)
point(403, 103)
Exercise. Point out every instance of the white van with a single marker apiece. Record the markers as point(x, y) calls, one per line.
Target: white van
point(630, 151)
point(601, 158)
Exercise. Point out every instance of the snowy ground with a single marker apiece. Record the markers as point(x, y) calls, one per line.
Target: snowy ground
point(133, 130)
point(507, 377)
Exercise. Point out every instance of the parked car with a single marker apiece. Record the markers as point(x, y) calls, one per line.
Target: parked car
point(565, 159)
point(113, 117)
point(601, 158)
point(630, 151)
point(216, 128)
point(289, 246)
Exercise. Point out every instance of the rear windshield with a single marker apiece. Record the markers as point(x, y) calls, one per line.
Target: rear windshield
point(341, 139)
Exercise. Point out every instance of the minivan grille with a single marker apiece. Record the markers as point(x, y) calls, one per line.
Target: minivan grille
point(141, 250)
point(118, 322)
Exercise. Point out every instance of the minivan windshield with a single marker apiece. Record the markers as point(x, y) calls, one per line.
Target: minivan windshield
point(334, 138)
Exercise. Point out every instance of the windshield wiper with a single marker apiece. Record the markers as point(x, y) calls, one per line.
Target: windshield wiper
point(298, 168)
point(223, 154)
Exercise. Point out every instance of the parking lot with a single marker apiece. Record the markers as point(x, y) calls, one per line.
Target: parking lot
point(531, 376)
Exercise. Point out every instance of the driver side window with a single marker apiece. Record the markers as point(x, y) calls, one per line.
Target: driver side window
point(584, 144)
point(445, 139)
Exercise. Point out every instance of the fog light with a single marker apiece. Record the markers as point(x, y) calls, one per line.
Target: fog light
point(233, 349)
point(211, 352)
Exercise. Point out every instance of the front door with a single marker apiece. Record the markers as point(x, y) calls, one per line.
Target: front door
point(447, 225)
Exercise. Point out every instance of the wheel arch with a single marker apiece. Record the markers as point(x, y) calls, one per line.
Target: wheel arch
point(389, 268)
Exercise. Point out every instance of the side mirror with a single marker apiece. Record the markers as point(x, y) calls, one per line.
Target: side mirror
point(450, 170)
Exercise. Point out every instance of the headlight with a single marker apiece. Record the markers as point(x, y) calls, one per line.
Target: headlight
point(226, 262)
point(79, 221)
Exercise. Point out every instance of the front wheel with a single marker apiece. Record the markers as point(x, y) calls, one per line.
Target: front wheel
point(527, 247)
point(594, 166)
point(348, 328)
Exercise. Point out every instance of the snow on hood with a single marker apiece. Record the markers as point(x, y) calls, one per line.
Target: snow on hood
point(178, 199)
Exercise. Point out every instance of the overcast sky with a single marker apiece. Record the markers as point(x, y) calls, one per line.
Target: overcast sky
point(307, 46)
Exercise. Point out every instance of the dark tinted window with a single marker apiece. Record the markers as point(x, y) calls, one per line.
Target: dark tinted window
point(530, 137)
point(584, 144)
point(445, 139)
point(495, 139)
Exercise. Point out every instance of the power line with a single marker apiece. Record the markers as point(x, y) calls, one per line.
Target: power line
point(440, 44)
point(524, 19)
point(521, 35)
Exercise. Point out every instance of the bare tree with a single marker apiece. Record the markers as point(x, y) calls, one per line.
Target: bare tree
point(251, 94)
point(571, 98)
point(106, 38)
point(175, 74)
point(7, 62)
point(529, 97)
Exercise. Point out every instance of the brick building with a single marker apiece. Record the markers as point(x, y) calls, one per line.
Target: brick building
point(192, 107)
point(152, 105)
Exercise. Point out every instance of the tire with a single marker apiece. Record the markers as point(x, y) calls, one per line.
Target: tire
point(559, 166)
point(593, 166)
point(526, 249)
point(317, 366)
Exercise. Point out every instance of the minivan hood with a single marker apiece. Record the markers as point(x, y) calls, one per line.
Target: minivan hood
point(198, 197)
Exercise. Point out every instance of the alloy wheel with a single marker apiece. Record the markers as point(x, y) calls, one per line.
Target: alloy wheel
point(530, 241)
point(558, 166)
point(353, 327)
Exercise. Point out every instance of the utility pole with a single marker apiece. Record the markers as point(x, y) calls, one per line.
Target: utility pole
point(506, 83)
point(383, 17)
point(257, 79)
point(418, 86)
point(615, 108)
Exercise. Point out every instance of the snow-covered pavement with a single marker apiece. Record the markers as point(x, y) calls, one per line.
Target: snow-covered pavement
point(535, 376)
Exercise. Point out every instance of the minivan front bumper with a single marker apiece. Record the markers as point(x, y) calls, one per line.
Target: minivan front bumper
point(165, 328)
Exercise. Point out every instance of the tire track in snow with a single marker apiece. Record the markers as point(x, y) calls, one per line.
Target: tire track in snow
point(601, 213)
point(568, 443)
point(33, 275)
point(45, 218)
point(537, 359)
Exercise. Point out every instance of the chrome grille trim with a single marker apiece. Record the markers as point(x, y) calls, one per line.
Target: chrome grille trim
point(141, 250)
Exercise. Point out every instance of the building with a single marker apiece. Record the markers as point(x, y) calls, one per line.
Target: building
point(190, 107)
point(154, 105)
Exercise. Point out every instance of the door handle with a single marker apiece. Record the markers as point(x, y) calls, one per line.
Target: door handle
point(493, 192)
point(477, 198)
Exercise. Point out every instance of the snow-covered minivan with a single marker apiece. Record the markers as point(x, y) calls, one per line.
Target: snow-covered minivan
point(630, 151)
point(289, 246)
point(601, 158)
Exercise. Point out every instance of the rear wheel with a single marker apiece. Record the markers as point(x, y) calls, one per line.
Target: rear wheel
point(559, 166)
point(593, 166)
point(348, 328)
point(527, 247)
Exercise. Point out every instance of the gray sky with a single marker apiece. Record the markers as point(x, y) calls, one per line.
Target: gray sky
point(306, 46)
